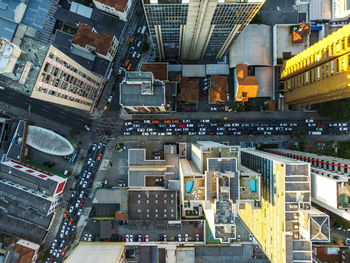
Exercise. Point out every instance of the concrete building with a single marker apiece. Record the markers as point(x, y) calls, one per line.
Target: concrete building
point(192, 29)
point(29, 198)
point(141, 93)
point(43, 72)
point(282, 219)
point(319, 73)
point(89, 40)
point(119, 8)
point(329, 179)
point(210, 186)
point(340, 9)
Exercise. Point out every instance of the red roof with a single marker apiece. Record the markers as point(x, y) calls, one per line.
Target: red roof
point(86, 36)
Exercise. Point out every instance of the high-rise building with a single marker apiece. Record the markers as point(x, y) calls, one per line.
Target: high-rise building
point(282, 220)
point(192, 29)
point(43, 72)
point(329, 179)
point(320, 73)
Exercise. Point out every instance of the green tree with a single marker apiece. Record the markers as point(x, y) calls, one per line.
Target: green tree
point(257, 19)
point(338, 109)
point(145, 47)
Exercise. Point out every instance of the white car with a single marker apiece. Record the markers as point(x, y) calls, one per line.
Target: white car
point(146, 238)
point(78, 201)
point(250, 237)
point(79, 212)
point(134, 54)
point(138, 55)
point(186, 237)
point(197, 237)
point(138, 43)
point(110, 98)
point(131, 238)
point(179, 237)
point(126, 238)
point(87, 127)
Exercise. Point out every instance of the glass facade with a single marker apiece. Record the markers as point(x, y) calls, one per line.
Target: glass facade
point(169, 17)
point(265, 168)
point(225, 18)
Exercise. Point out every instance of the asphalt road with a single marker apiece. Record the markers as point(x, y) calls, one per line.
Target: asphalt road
point(50, 111)
point(76, 204)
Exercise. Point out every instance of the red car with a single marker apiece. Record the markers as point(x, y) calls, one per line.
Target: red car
point(82, 203)
point(143, 239)
point(182, 125)
point(212, 133)
point(187, 109)
point(123, 238)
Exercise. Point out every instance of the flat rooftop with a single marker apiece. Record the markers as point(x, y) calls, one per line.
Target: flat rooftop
point(35, 52)
point(153, 205)
point(140, 89)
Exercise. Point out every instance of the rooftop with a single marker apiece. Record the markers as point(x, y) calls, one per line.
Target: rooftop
point(245, 86)
point(99, 20)
point(252, 48)
point(189, 90)
point(140, 89)
point(283, 42)
point(111, 196)
point(96, 252)
point(119, 5)
point(153, 205)
point(159, 70)
point(26, 251)
point(12, 10)
point(218, 89)
point(33, 52)
point(63, 41)
point(86, 35)
point(48, 141)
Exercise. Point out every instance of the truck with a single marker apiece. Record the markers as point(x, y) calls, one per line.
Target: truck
point(143, 30)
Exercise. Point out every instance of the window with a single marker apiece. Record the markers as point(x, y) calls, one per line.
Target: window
point(306, 77)
point(327, 73)
point(332, 68)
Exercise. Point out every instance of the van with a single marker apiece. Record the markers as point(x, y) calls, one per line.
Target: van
point(315, 133)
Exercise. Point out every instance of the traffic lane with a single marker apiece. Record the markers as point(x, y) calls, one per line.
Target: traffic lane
point(72, 203)
point(44, 109)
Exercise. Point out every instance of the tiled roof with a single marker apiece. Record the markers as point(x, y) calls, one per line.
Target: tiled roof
point(247, 86)
point(189, 90)
point(25, 254)
point(119, 5)
point(159, 70)
point(218, 89)
point(85, 36)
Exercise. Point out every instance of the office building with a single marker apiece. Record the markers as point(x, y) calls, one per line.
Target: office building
point(321, 72)
point(188, 30)
point(210, 186)
point(141, 93)
point(152, 173)
point(43, 72)
point(329, 179)
point(119, 8)
point(282, 219)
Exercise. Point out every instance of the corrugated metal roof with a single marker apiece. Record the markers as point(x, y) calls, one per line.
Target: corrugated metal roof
point(81, 9)
point(193, 71)
point(217, 69)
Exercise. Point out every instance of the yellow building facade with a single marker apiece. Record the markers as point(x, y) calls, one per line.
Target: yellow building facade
point(320, 73)
point(281, 220)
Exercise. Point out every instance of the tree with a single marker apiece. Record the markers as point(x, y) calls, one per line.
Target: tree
point(257, 19)
point(338, 109)
point(145, 47)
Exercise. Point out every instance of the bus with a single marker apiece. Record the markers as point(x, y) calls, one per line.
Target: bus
point(143, 30)
point(74, 156)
